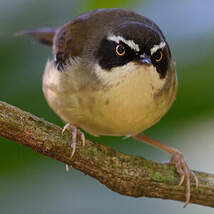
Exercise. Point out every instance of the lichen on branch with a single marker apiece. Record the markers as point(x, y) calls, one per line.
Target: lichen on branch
point(126, 174)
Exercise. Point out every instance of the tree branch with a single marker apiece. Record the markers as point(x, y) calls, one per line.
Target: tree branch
point(127, 175)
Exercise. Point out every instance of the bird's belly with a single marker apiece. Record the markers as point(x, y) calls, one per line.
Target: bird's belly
point(119, 113)
point(122, 110)
point(118, 116)
point(127, 108)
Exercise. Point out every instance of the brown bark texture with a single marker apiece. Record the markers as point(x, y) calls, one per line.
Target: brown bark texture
point(125, 174)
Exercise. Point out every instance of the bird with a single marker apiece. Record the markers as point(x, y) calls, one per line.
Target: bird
point(112, 74)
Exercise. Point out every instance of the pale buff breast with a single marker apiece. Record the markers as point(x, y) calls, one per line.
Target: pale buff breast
point(130, 102)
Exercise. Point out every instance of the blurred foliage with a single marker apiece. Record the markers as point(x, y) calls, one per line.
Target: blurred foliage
point(94, 4)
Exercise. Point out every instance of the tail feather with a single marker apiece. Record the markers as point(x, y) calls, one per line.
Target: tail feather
point(44, 35)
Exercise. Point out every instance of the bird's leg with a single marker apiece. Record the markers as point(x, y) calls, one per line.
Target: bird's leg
point(75, 133)
point(177, 159)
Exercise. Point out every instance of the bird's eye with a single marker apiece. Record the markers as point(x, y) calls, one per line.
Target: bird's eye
point(158, 56)
point(120, 50)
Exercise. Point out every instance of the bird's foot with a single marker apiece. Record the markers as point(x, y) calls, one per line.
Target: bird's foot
point(185, 173)
point(179, 162)
point(75, 134)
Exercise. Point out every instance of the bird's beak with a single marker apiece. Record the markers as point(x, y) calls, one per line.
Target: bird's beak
point(145, 59)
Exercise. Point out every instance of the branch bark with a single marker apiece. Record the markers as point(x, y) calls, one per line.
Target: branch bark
point(125, 174)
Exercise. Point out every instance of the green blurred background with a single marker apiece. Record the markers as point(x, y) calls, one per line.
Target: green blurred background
point(32, 183)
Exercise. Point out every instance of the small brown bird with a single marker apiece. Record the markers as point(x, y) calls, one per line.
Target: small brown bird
point(112, 74)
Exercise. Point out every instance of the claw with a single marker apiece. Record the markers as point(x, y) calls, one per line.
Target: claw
point(181, 180)
point(67, 167)
point(66, 127)
point(184, 172)
point(75, 133)
point(195, 178)
point(82, 136)
point(179, 162)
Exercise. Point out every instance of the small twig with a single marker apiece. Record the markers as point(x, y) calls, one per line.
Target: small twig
point(125, 174)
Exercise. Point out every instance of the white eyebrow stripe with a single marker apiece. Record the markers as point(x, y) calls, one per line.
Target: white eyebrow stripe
point(119, 39)
point(157, 47)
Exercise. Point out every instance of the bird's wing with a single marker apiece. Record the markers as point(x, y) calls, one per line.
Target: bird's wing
point(69, 42)
point(66, 40)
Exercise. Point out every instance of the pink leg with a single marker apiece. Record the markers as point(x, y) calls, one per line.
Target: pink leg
point(75, 133)
point(177, 159)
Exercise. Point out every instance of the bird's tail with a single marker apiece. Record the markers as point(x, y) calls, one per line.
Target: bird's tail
point(44, 35)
